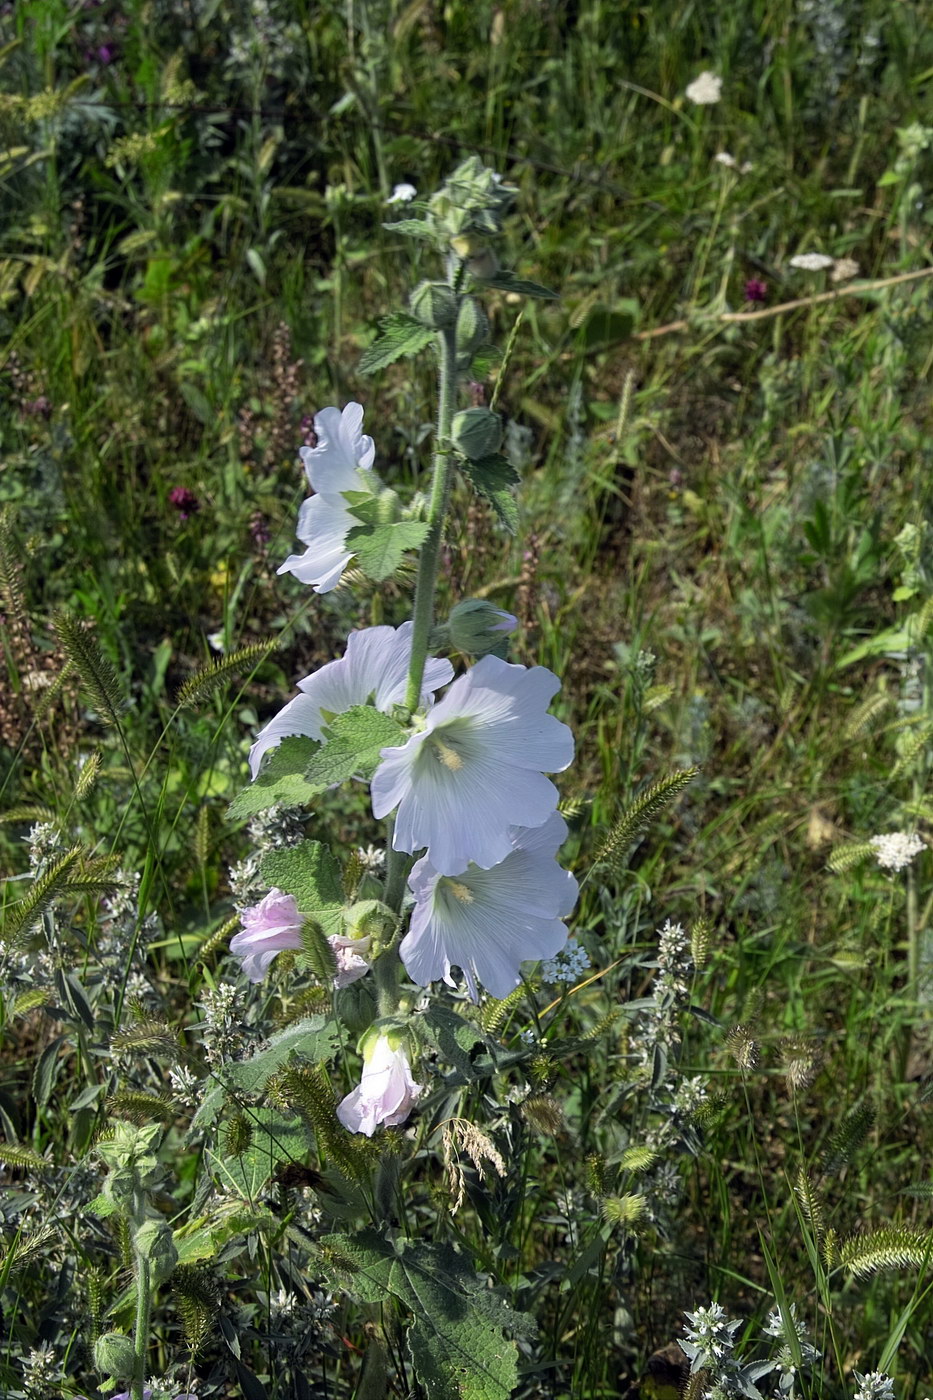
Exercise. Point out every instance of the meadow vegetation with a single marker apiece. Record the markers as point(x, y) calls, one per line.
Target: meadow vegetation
point(722, 1091)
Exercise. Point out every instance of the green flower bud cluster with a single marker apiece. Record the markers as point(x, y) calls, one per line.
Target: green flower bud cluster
point(134, 1166)
point(473, 200)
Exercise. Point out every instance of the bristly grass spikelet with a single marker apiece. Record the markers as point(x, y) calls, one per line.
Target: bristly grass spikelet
point(638, 1159)
point(639, 814)
point(846, 857)
point(810, 1202)
point(12, 1155)
point(701, 936)
point(624, 1210)
point(150, 1037)
point(914, 737)
point(97, 673)
point(201, 842)
point(742, 1046)
point(544, 1113)
point(891, 1248)
point(864, 717)
point(219, 938)
point(213, 676)
point(849, 1136)
point(318, 952)
point(494, 1014)
point(197, 1297)
point(140, 1108)
point(307, 1091)
point(28, 1249)
point(45, 890)
point(26, 812)
point(90, 771)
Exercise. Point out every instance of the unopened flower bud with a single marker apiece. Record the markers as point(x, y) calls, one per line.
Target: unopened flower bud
point(434, 304)
point(472, 328)
point(114, 1355)
point(476, 432)
point(483, 264)
point(154, 1243)
point(478, 628)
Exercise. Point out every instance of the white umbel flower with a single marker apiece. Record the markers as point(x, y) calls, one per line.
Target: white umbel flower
point(811, 262)
point(705, 90)
point(896, 849)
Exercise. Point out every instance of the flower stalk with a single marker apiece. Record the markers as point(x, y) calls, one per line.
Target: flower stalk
point(437, 510)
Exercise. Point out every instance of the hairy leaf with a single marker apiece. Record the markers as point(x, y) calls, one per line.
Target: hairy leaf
point(400, 335)
point(281, 779)
point(494, 477)
point(508, 282)
point(380, 549)
point(356, 740)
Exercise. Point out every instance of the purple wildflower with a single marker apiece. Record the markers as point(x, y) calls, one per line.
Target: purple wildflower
point(756, 290)
point(184, 500)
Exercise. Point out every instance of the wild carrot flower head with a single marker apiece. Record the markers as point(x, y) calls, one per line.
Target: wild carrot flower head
point(488, 922)
point(477, 768)
point(373, 668)
point(896, 849)
point(704, 90)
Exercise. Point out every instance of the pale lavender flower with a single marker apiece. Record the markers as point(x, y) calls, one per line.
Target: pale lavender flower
point(374, 667)
point(387, 1090)
point(476, 770)
point(341, 461)
point(271, 926)
point(488, 922)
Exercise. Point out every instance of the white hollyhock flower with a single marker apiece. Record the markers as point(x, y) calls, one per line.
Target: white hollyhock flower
point(387, 1090)
point(704, 90)
point(811, 262)
point(374, 667)
point(477, 768)
point(488, 922)
point(341, 461)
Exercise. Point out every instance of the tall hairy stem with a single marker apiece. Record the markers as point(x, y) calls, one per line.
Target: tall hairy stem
point(437, 511)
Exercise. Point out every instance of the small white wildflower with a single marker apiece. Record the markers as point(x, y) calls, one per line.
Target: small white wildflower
point(402, 194)
point(215, 641)
point(746, 167)
point(724, 158)
point(811, 262)
point(709, 1337)
point(896, 849)
point(874, 1385)
point(186, 1086)
point(282, 1303)
point(373, 859)
point(844, 269)
point(704, 90)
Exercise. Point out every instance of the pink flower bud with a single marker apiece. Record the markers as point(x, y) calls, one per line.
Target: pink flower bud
point(271, 925)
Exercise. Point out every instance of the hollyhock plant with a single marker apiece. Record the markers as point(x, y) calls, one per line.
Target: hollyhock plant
point(341, 461)
point(351, 960)
point(269, 927)
point(374, 666)
point(387, 1090)
point(477, 767)
point(488, 922)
